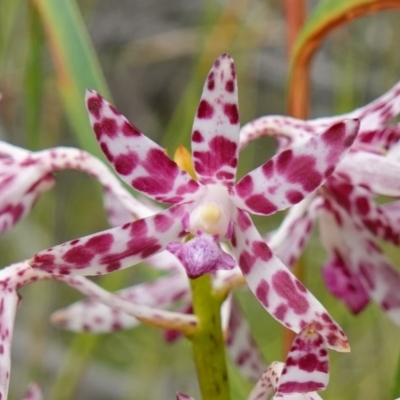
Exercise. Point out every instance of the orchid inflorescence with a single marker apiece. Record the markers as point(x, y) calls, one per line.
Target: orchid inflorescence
point(322, 171)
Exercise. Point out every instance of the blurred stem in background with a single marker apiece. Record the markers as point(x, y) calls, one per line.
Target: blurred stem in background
point(220, 28)
point(295, 14)
point(34, 80)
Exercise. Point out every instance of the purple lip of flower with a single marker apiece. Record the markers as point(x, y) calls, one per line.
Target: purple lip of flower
point(214, 205)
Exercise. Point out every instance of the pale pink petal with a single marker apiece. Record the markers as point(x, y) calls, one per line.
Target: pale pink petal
point(165, 261)
point(33, 392)
point(277, 289)
point(268, 382)
point(290, 131)
point(384, 139)
point(138, 160)
point(377, 173)
point(241, 346)
point(117, 215)
point(114, 249)
point(160, 318)
point(216, 126)
point(201, 255)
point(358, 203)
point(91, 316)
point(344, 284)
point(17, 275)
point(182, 396)
point(8, 306)
point(172, 335)
point(25, 175)
point(297, 396)
point(307, 364)
point(294, 173)
point(61, 158)
point(289, 240)
point(15, 153)
point(20, 185)
point(392, 211)
point(287, 130)
point(378, 276)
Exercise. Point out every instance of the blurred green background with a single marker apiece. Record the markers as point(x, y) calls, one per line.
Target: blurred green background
point(152, 59)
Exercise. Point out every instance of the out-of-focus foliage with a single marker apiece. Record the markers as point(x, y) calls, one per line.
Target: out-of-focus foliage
point(326, 16)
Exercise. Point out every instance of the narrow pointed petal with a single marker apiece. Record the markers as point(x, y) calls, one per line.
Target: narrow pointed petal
point(117, 215)
point(293, 174)
point(138, 160)
point(356, 246)
point(277, 289)
point(358, 203)
point(17, 275)
point(182, 396)
point(114, 249)
point(8, 306)
point(344, 284)
point(307, 364)
point(120, 212)
point(291, 131)
point(25, 177)
point(298, 225)
point(15, 153)
point(172, 335)
point(216, 126)
point(242, 348)
point(91, 316)
point(297, 396)
point(33, 392)
point(287, 130)
point(377, 173)
point(166, 261)
point(20, 186)
point(385, 138)
point(268, 382)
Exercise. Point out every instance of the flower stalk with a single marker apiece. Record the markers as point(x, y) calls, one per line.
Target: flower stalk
point(208, 341)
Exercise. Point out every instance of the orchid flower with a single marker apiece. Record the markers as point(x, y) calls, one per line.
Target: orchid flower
point(370, 164)
point(305, 371)
point(12, 278)
point(24, 175)
point(371, 168)
point(33, 392)
point(357, 269)
point(212, 209)
point(166, 292)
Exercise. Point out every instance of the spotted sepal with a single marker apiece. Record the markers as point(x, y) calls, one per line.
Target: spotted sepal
point(139, 161)
point(216, 126)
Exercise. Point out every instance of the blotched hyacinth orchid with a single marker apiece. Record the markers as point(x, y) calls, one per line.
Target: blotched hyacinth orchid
point(357, 269)
point(305, 371)
point(212, 209)
point(13, 277)
point(33, 392)
point(24, 175)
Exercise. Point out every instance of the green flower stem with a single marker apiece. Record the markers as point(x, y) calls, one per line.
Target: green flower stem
point(208, 342)
point(396, 384)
